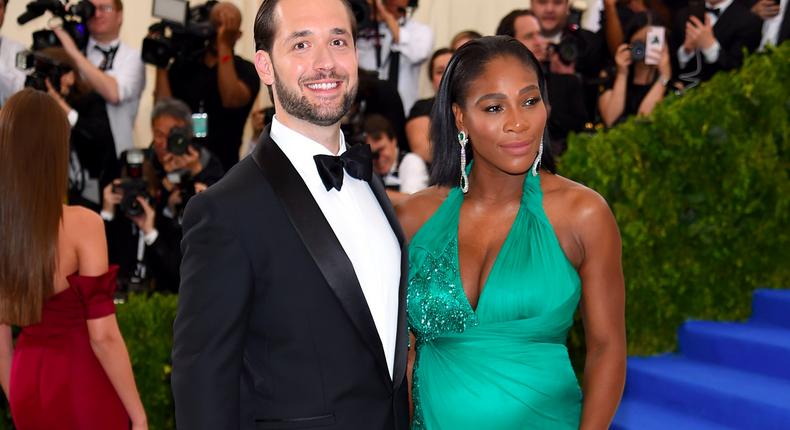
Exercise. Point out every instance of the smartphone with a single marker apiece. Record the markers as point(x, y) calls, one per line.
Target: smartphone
point(654, 45)
point(200, 125)
point(697, 8)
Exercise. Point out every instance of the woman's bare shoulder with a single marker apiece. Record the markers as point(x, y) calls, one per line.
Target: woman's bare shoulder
point(79, 218)
point(581, 203)
point(415, 210)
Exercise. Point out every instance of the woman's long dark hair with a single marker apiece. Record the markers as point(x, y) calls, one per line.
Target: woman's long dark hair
point(466, 65)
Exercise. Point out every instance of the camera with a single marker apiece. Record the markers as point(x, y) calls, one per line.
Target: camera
point(179, 140)
point(638, 50)
point(75, 19)
point(571, 45)
point(133, 184)
point(43, 68)
point(185, 183)
point(184, 37)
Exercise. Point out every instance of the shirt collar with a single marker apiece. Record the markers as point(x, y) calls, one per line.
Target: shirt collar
point(113, 44)
point(297, 146)
point(720, 6)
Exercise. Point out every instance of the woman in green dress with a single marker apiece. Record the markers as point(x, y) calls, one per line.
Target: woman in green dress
point(503, 251)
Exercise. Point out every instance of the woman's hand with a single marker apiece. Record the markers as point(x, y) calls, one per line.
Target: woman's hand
point(622, 58)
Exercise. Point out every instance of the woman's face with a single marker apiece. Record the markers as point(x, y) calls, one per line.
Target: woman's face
point(438, 67)
point(504, 115)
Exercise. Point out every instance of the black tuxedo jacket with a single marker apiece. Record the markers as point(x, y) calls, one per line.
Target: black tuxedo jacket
point(273, 331)
point(737, 28)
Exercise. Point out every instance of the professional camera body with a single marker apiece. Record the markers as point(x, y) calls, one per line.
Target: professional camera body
point(179, 140)
point(186, 38)
point(43, 68)
point(133, 184)
point(75, 21)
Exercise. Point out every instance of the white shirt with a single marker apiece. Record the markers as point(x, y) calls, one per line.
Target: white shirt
point(771, 26)
point(711, 54)
point(129, 72)
point(415, 46)
point(11, 78)
point(410, 175)
point(361, 227)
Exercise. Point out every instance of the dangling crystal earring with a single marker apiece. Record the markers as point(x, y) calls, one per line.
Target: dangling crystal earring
point(536, 164)
point(463, 139)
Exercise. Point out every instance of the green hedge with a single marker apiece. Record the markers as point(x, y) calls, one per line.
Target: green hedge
point(701, 194)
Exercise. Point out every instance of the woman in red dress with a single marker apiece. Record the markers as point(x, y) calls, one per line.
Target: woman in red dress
point(70, 368)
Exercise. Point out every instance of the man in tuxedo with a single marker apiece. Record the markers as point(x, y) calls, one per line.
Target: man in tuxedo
point(292, 301)
point(718, 42)
point(776, 20)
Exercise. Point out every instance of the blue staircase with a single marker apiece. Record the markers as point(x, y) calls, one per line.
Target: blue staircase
point(727, 376)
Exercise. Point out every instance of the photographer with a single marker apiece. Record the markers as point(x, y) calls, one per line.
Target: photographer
point(116, 75)
point(395, 47)
point(151, 195)
point(636, 87)
point(219, 84)
point(11, 79)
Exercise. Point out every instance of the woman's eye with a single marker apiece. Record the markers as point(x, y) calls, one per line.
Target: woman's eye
point(531, 101)
point(493, 108)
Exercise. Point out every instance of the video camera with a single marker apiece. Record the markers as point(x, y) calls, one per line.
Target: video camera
point(43, 68)
point(132, 184)
point(75, 19)
point(184, 33)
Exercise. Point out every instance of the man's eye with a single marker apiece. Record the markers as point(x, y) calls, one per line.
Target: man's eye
point(338, 42)
point(301, 45)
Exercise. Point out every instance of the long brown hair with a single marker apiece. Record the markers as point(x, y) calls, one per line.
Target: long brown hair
point(34, 153)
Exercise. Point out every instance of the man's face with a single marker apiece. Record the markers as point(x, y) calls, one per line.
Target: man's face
point(313, 61)
point(552, 14)
point(387, 150)
point(161, 127)
point(528, 33)
point(107, 21)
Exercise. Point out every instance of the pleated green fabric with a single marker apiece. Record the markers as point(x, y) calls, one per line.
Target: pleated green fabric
point(505, 364)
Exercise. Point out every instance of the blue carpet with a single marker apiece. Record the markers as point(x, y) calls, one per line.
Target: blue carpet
point(727, 375)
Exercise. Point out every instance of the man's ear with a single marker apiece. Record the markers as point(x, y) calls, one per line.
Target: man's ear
point(264, 66)
point(459, 118)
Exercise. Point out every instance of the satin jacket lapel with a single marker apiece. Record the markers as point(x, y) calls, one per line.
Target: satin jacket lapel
point(402, 339)
point(320, 241)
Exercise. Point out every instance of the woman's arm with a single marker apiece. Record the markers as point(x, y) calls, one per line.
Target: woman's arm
point(105, 336)
point(612, 102)
point(6, 354)
point(603, 312)
point(657, 91)
point(417, 131)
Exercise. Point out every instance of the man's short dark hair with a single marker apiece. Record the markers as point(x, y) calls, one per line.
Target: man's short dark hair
point(174, 108)
point(507, 26)
point(377, 125)
point(266, 24)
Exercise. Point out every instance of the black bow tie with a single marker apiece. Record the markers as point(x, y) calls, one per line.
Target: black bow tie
point(715, 11)
point(357, 160)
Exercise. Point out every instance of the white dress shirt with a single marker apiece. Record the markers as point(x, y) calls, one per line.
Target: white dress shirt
point(771, 26)
point(409, 175)
point(11, 78)
point(415, 45)
point(360, 226)
point(129, 72)
point(711, 54)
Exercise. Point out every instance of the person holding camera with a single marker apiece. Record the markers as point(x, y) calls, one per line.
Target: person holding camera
point(711, 36)
point(116, 75)
point(151, 196)
point(221, 85)
point(403, 173)
point(11, 78)
point(395, 47)
point(636, 87)
point(69, 367)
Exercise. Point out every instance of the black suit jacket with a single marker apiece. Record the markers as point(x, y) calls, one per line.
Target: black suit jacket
point(273, 331)
point(737, 28)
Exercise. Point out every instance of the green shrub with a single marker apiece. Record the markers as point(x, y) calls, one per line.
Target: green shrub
point(701, 194)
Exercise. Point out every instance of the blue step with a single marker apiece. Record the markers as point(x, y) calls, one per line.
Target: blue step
point(771, 307)
point(763, 349)
point(638, 415)
point(726, 396)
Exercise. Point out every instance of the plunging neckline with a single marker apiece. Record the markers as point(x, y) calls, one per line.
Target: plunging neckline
point(494, 266)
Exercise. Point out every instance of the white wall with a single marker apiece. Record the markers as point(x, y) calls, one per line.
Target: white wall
point(446, 17)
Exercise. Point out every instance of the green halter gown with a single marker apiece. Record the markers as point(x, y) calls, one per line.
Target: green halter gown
point(505, 364)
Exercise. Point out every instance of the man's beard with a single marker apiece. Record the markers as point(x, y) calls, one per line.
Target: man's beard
point(298, 106)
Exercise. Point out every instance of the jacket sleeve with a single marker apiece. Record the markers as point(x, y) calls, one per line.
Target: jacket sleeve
point(209, 330)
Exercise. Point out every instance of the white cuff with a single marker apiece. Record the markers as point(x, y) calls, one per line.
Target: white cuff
point(712, 53)
point(151, 237)
point(107, 216)
point(684, 57)
point(73, 116)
